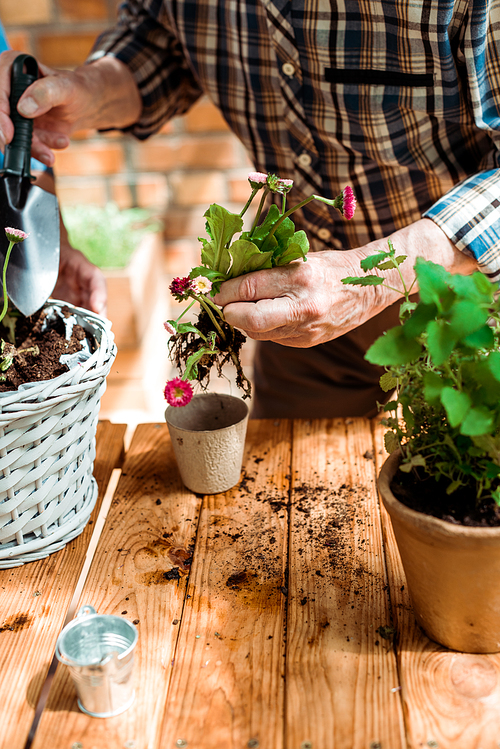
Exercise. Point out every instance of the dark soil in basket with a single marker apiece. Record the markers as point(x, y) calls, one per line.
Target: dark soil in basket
point(51, 344)
point(429, 496)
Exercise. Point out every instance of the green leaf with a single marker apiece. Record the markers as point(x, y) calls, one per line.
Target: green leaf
point(246, 257)
point(432, 281)
point(207, 253)
point(393, 349)
point(440, 341)
point(293, 252)
point(260, 233)
point(406, 310)
point(212, 275)
point(393, 262)
point(366, 281)
point(480, 339)
point(492, 470)
point(477, 422)
point(391, 406)
point(388, 382)
point(414, 462)
point(433, 387)
point(478, 373)
point(281, 237)
point(476, 287)
point(223, 226)
point(417, 323)
point(372, 261)
point(192, 362)
point(456, 405)
point(5, 363)
point(494, 364)
point(466, 318)
point(453, 486)
point(186, 327)
point(391, 442)
point(297, 246)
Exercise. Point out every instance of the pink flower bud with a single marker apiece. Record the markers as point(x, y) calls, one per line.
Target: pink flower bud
point(257, 180)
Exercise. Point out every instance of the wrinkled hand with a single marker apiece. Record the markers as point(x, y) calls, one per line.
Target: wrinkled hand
point(304, 304)
point(301, 304)
point(80, 282)
point(53, 98)
point(102, 94)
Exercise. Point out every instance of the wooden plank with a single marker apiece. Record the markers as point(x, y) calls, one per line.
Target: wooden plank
point(150, 530)
point(227, 689)
point(341, 675)
point(34, 600)
point(452, 700)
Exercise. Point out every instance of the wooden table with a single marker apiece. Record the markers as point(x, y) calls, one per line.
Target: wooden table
point(289, 626)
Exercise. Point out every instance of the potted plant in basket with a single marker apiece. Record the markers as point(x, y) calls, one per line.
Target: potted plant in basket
point(211, 342)
point(441, 483)
point(53, 367)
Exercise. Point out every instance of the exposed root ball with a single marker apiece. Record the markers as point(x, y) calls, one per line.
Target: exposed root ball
point(182, 345)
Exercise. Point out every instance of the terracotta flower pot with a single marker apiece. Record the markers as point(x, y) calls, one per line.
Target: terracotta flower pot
point(452, 573)
point(208, 437)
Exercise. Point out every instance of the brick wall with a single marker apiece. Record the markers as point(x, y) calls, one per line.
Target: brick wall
point(192, 162)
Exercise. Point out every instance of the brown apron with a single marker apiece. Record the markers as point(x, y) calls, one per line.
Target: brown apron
point(325, 381)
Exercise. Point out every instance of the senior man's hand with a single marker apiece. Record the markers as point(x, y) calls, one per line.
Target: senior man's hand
point(304, 304)
point(100, 95)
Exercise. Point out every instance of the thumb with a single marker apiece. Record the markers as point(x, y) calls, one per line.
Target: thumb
point(43, 95)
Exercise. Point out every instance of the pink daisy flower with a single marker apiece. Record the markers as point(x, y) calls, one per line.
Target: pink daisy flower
point(348, 202)
point(178, 392)
point(169, 327)
point(202, 285)
point(180, 288)
point(15, 235)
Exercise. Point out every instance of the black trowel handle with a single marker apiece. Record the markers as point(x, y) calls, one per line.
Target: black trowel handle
point(18, 151)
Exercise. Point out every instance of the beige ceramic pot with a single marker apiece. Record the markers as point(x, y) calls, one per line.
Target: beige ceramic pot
point(452, 571)
point(208, 437)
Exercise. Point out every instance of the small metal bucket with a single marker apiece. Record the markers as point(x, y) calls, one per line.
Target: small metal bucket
point(99, 651)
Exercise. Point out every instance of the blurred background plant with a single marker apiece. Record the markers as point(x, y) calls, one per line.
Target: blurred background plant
point(107, 235)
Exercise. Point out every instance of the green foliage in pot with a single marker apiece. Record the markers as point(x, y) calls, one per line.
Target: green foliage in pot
point(107, 235)
point(443, 362)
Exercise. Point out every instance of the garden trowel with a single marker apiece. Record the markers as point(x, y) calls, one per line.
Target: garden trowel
point(34, 264)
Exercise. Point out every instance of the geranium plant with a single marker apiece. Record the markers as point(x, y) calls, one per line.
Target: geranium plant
point(271, 241)
point(443, 362)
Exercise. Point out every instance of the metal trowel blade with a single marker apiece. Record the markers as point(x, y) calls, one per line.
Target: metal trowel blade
point(34, 263)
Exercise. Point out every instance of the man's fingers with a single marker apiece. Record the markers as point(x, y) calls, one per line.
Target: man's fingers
point(43, 95)
point(52, 140)
point(259, 317)
point(263, 284)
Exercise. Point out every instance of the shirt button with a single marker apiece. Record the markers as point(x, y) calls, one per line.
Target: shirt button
point(304, 159)
point(324, 233)
point(288, 68)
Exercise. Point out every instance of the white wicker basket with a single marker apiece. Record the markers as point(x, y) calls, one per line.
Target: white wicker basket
point(47, 451)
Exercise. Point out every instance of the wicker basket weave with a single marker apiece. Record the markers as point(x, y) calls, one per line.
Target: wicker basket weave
point(47, 451)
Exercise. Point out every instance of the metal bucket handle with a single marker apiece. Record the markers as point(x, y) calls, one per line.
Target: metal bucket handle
point(86, 610)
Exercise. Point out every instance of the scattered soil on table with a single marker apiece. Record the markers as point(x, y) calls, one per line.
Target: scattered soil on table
point(50, 343)
point(429, 496)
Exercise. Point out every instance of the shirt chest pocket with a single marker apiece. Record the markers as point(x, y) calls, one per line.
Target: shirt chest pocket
point(387, 115)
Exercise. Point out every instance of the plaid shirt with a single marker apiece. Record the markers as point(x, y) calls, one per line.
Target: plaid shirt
point(399, 99)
